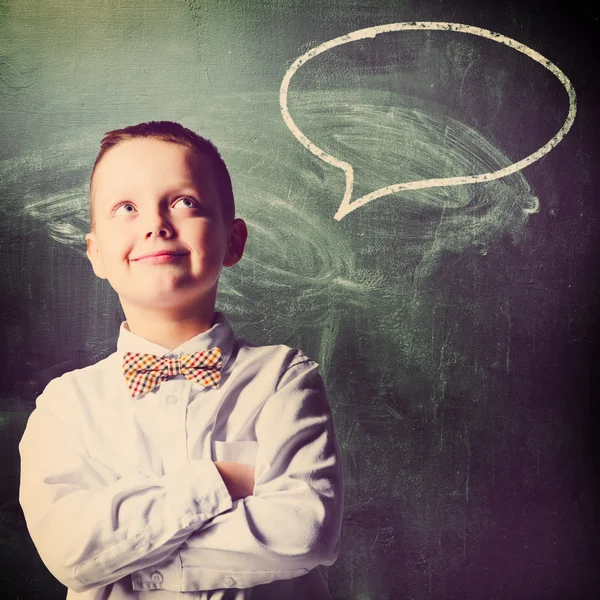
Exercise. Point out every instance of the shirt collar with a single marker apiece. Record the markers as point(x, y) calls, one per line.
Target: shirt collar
point(220, 334)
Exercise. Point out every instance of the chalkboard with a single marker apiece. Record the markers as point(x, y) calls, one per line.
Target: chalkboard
point(454, 325)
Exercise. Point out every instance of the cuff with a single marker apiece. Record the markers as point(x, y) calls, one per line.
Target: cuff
point(203, 494)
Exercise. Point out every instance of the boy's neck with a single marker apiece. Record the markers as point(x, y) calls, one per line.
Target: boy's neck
point(168, 329)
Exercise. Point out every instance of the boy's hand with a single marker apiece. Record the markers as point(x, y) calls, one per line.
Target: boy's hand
point(238, 478)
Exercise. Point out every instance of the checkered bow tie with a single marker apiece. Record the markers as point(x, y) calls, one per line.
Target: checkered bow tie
point(143, 372)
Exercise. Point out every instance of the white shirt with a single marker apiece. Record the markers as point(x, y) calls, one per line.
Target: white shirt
point(122, 498)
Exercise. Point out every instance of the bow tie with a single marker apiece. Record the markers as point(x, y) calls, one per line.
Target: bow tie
point(143, 372)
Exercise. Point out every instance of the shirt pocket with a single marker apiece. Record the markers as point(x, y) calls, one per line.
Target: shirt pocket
point(243, 452)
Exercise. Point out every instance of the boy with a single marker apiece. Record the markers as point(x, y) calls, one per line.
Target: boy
point(189, 463)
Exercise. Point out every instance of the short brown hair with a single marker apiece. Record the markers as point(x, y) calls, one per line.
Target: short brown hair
point(169, 131)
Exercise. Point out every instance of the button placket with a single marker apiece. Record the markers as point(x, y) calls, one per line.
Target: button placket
point(175, 399)
point(170, 425)
point(186, 396)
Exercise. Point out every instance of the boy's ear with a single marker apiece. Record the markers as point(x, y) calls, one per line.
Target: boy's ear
point(237, 243)
point(93, 253)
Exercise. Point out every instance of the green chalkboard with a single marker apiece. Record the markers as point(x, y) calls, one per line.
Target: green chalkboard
point(454, 325)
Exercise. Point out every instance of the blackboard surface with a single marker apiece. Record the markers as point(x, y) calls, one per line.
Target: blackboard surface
point(455, 326)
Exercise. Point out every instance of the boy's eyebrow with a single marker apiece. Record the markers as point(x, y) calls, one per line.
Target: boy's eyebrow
point(185, 187)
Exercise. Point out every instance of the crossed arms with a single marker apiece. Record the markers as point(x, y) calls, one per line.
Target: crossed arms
point(92, 529)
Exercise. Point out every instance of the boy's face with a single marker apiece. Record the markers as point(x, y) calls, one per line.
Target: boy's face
point(160, 238)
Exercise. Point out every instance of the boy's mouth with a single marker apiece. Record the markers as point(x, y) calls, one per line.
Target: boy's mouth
point(160, 256)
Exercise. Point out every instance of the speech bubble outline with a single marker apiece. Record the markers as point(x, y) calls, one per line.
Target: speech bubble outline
point(346, 205)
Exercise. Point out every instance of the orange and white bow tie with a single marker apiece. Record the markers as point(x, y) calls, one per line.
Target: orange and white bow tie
point(143, 372)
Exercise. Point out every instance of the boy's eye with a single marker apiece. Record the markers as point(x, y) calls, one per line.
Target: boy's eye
point(185, 202)
point(124, 208)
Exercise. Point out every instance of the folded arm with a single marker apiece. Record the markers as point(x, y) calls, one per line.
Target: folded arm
point(292, 521)
point(91, 528)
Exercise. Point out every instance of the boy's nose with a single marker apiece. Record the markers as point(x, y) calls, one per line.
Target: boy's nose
point(159, 227)
point(165, 231)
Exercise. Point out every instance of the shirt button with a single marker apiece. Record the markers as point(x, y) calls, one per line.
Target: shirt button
point(157, 577)
point(187, 521)
point(172, 400)
point(206, 506)
point(143, 545)
point(229, 581)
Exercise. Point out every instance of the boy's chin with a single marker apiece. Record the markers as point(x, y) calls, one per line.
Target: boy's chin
point(172, 301)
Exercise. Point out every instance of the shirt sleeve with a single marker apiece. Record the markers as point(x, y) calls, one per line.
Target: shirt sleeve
point(292, 522)
point(89, 530)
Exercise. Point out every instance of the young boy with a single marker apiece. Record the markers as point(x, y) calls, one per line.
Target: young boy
point(189, 463)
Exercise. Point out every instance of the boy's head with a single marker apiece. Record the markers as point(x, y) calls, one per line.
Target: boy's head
point(169, 131)
point(162, 219)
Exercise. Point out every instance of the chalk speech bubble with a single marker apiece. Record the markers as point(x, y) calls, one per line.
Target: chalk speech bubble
point(347, 206)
